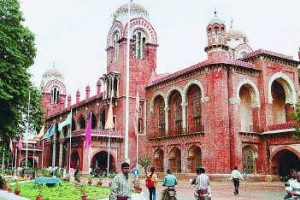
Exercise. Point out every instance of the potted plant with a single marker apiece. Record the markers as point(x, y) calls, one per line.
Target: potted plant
point(90, 179)
point(100, 182)
point(68, 178)
point(82, 189)
point(17, 188)
point(137, 186)
point(39, 187)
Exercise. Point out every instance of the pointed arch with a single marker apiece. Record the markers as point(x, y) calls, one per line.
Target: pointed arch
point(254, 94)
point(288, 86)
point(191, 83)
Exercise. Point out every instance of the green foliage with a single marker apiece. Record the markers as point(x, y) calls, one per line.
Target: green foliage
point(81, 187)
point(296, 116)
point(64, 191)
point(110, 175)
point(17, 53)
point(145, 161)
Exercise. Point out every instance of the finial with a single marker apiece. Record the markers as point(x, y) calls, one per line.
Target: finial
point(215, 12)
point(231, 23)
point(53, 64)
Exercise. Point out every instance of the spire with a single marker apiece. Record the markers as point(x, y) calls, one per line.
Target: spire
point(231, 23)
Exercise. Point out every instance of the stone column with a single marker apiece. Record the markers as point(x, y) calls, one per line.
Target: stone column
point(184, 121)
point(54, 150)
point(166, 159)
point(167, 119)
point(61, 147)
point(184, 160)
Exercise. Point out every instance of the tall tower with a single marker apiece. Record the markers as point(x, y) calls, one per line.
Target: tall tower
point(143, 45)
point(53, 91)
point(216, 48)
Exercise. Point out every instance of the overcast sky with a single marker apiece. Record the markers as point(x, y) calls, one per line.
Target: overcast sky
point(73, 33)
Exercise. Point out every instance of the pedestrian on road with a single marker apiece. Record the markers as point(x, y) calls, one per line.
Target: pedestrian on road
point(235, 177)
point(151, 182)
point(121, 185)
point(202, 189)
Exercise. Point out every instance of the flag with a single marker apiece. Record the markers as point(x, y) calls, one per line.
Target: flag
point(41, 133)
point(136, 112)
point(50, 132)
point(88, 133)
point(67, 121)
point(20, 144)
point(109, 124)
point(11, 145)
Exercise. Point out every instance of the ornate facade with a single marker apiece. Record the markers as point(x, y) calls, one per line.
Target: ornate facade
point(231, 109)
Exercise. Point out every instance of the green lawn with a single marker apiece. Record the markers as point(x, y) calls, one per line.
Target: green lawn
point(66, 191)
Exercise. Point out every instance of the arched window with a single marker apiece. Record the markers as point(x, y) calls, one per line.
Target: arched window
point(54, 95)
point(116, 39)
point(139, 42)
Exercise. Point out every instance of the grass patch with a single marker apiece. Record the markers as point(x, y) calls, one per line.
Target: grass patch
point(66, 191)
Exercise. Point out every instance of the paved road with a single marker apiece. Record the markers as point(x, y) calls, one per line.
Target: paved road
point(10, 196)
point(224, 191)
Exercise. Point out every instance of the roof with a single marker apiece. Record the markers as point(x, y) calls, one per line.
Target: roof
point(205, 63)
point(263, 52)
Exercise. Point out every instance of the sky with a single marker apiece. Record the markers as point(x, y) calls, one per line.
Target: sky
point(73, 33)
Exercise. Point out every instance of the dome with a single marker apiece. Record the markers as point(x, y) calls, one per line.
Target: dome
point(236, 35)
point(53, 73)
point(216, 20)
point(136, 10)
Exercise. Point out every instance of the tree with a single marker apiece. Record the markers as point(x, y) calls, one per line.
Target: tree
point(296, 116)
point(145, 162)
point(17, 53)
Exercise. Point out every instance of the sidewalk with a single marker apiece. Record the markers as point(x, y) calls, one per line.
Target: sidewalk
point(4, 195)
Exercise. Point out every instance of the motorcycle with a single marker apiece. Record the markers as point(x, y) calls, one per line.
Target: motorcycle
point(169, 194)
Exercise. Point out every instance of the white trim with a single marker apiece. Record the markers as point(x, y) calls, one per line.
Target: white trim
point(288, 86)
point(255, 96)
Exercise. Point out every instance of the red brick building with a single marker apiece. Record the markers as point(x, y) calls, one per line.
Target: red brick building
point(231, 109)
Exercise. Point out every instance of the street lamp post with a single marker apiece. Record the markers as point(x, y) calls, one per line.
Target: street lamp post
point(3, 156)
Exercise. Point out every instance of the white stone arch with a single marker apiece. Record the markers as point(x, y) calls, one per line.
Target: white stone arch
point(288, 86)
point(116, 27)
point(187, 87)
point(143, 24)
point(154, 97)
point(254, 95)
point(170, 92)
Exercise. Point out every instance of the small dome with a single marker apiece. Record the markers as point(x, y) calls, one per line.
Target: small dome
point(216, 20)
point(136, 10)
point(236, 35)
point(53, 73)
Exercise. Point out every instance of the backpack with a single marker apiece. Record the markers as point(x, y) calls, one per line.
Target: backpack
point(149, 182)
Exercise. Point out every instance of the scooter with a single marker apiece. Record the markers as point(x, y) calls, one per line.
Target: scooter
point(169, 194)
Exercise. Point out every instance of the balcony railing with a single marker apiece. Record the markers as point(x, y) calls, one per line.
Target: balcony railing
point(99, 133)
point(287, 125)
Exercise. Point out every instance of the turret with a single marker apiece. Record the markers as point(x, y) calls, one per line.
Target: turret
point(216, 48)
point(77, 96)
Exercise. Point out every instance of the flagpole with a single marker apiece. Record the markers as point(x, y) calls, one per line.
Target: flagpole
point(27, 131)
point(127, 87)
point(70, 141)
point(16, 156)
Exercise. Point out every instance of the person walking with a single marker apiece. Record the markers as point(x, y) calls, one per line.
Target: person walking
point(202, 189)
point(121, 185)
point(151, 182)
point(235, 177)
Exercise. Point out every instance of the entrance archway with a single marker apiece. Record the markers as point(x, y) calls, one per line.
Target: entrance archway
point(175, 160)
point(99, 162)
point(75, 160)
point(283, 161)
point(159, 160)
point(194, 158)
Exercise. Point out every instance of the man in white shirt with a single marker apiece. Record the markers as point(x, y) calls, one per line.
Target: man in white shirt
point(202, 185)
point(235, 177)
